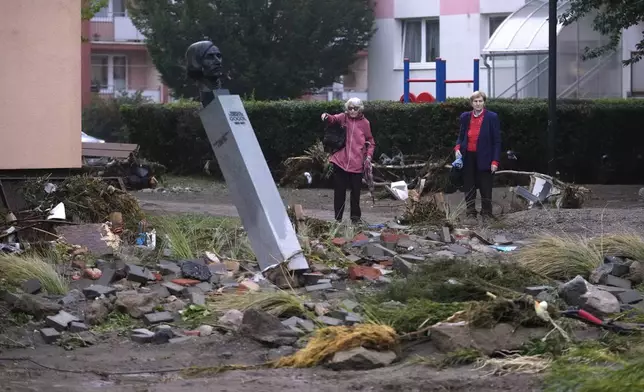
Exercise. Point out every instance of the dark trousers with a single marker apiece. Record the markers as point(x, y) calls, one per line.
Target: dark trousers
point(342, 181)
point(474, 179)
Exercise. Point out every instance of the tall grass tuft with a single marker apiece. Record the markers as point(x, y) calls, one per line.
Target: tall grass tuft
point(14, 270)
point(629, 245)
point(560, 257)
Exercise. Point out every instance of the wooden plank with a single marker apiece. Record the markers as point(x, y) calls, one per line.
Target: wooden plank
point(111, 146)
point(105, 153)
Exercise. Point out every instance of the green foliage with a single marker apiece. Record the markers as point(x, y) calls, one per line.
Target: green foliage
point(410, 317)
point(610, 18)
point(172, 134)
point(102, 118)
point(91, 7)
point(272, 49)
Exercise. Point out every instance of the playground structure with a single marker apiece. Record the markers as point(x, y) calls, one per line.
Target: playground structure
point(441, 82)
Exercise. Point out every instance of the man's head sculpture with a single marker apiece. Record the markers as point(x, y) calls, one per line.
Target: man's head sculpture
point(203, 61)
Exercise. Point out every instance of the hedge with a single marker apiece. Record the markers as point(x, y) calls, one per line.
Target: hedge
point(587, 130)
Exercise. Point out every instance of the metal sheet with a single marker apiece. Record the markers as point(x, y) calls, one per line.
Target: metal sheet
point(251, 184)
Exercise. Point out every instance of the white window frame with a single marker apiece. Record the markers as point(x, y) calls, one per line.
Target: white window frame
point(110, 12)
point(110, 72)
point(504, 63)
point(422, 64)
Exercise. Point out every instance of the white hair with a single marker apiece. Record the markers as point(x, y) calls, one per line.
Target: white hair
point(357, 102)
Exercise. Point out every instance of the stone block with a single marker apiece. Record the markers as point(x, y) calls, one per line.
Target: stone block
point(49, 335)
point(158, 318)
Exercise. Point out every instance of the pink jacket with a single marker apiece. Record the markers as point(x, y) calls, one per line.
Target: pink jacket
point(351, 157)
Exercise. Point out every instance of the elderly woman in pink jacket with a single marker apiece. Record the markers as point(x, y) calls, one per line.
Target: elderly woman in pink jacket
point(349, 162)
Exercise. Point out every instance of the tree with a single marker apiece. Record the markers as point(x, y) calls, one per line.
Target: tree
point(612, 16)
point(272, 48)
point(91, 7)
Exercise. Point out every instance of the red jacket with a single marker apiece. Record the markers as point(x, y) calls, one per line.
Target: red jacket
point(351, 157)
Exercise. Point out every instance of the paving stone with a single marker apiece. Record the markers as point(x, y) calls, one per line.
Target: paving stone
point(349, 305)
point(169, 268)
point(312, 278)
point(49, 335)
point(317, 287)
point(95, 291)
point(160, 290)
point(61, 321)
point(617, 282)
point(354, 258)
point(218, 269)
point(403, 267)
point(330, 321)
point(31, 286)
point(291, 322)
point(72, 297)
point(613, 290)
point(536, 290)
point(306, 325)
point(353, 318)
point(206, 287)
point(108, 276)
point(413, 258)
point(198, 299)
point(138, 274)
point(629, 297)
point(458, 249)
point(157, 318)
point(77, 326)
point(174, 288)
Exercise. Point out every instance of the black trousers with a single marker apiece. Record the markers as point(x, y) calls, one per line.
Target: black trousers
point(474, 179)
point(342, 181)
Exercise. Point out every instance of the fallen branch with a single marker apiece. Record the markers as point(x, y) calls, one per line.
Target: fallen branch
point(535, 174)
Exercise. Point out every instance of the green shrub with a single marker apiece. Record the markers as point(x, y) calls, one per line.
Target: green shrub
point(172, 134)
point(102, 117)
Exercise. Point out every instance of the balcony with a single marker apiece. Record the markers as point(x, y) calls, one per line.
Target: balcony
point(114, 27)
point(117, 73)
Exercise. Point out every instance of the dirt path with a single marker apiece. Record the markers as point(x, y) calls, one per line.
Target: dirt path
point(121, 356)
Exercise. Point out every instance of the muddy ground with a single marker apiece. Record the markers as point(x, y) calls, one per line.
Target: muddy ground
point(115, 354)
point(611, 209)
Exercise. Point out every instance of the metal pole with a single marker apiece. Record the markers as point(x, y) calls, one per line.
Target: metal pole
point(441, 75)
point(477, 70)
point(406, 81)
point(552, 85)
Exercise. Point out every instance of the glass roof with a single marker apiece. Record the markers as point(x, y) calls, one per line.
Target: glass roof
point(525, 31)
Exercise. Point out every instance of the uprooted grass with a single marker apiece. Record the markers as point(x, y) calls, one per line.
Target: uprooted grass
point(411, 316)
point(15, 269)
point(188, 236)
point(560, 257)
point(462, 281)
point(278, 303)
point(87, 199)
point(330, 340)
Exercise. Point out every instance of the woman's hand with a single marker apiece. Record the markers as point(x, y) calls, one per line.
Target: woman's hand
point(324, 116)
point(493, 168)
point(458, 154)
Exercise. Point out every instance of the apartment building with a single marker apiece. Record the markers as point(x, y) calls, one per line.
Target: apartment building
point(511, 39)
point(118, 58)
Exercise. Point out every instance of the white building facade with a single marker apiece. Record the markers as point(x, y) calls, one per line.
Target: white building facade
point(509, 36)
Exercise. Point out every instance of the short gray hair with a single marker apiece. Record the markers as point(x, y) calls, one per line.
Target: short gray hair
point(478, 94)
point(357, 102)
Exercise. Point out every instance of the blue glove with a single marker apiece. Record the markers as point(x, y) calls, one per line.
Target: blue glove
point(458, 163)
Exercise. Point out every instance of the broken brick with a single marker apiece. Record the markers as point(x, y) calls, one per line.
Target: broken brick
point(360, 237)
point(186, 282)
point(362, 272)
point(191, 333)
point(158, 318)
point(61, 321)
point(339, 241)
point(107, 276)
point(95, 291)
point(77, 326)
point(92, 273)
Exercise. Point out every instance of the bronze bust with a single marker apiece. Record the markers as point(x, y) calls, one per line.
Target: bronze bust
point(204, 65)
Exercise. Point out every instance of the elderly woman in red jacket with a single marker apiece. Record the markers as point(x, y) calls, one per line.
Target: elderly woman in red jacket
point(349, 162)
point(479, 146)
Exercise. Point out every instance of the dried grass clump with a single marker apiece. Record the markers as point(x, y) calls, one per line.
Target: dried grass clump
point(486, 314)
point(629, 245)
point(424, 210)
point(331, 340)
point(277, 303)
point(560, 257)
point(14, 270)
point(87, 199)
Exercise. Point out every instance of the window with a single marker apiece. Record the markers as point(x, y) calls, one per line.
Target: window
point(109, 72)
point(421, 40)
point(495, 22)
point(118, 7)
point(113, 8)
